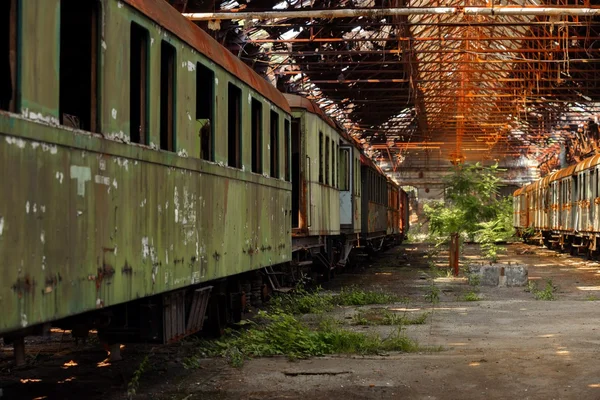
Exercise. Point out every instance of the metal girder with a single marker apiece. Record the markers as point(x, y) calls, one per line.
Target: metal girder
point(378, 13)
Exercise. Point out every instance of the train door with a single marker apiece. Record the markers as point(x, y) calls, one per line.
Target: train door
point(583, 204)
point(593, 204)
point(297, 172)
point(591, 195)
point(572, 194)
point(554, 207)
point(523, 210)
point(564, 201)
point(346, 186)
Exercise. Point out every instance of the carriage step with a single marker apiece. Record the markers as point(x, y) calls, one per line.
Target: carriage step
point(579, 245)
point(283, 289)
point(302, 263)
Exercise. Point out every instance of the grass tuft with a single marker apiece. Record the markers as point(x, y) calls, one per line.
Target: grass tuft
point(353, 296)
point(385, 317)
point(279, 333)
point(545, 294)
point(471, 296)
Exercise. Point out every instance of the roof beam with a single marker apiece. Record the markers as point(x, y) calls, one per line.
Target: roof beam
point(379, 13)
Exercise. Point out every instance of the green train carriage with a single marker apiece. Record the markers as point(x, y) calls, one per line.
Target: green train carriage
point(140, 161)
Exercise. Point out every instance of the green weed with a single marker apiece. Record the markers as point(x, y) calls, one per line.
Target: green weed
point(433, 294)
point(545, 294)
point(279, 333)
point(303, 302)
point(353, 296)
point(386, 317)
point(471, 296)
point(134, 383)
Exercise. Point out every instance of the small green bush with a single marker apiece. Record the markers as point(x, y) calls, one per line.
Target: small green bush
point(471, 296)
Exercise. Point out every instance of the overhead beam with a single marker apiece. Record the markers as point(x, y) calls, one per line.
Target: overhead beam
point(396, 11)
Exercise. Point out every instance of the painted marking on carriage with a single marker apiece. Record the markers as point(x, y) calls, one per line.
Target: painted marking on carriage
point(104, 47)
point(114, 113)
point(102, 164)
point(1, 225)
point(191, 66)
point(114, 183)
point(20, 143)
point(82, 174)
point(27, 207)
point(59, 177)
point(102, 180)
point(35, 145)
point(39, 117)
point(43, 237)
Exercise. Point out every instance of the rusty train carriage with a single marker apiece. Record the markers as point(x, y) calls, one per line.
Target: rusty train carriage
point(563, 208)
point(316, 139)
point(149, 174)
point(375, 207)
point(90, 220)
point(326, 203)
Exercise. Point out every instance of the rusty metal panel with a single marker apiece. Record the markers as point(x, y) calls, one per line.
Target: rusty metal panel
point(89, 223)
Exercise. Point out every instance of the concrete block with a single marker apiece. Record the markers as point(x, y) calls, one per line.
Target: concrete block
point(499, 274)
point(490, 275)
point(516, 275)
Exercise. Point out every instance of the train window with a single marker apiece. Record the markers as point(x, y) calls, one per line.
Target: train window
point(205, 98)
point(78, 64)
point(8, 52)
point(138, 85)
point(288, 150)
point(234, 126)
point(274, 144)
point(257, 130)
point(320, 157)
point(326, 160)
point(167, 96)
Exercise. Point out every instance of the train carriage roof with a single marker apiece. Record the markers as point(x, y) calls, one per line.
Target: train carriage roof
point(169, 18)
point(563, 173)
point(588, 163)
point(296, 101)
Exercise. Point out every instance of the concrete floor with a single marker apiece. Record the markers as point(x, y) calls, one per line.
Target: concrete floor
point(506, 346)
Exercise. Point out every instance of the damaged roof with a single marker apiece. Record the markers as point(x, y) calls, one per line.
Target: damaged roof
point(512, 82)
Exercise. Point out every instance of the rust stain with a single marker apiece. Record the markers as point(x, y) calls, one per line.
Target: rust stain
point(24, 285)
point(127, 269)
point(105, 272)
